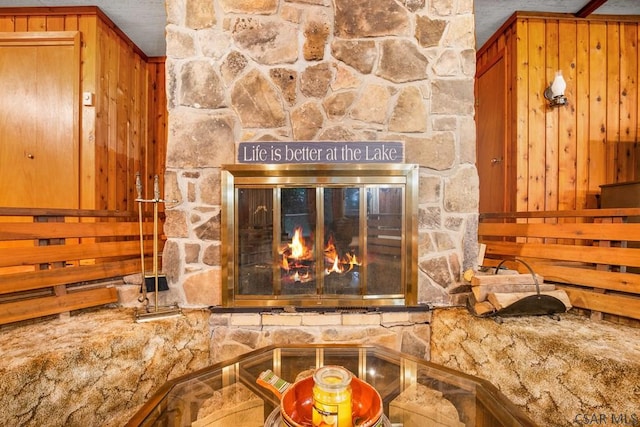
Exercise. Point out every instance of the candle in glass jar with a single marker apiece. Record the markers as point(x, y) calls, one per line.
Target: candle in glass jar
point(332, 405)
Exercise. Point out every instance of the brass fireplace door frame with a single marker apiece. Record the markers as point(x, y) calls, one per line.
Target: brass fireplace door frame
point(299, 175)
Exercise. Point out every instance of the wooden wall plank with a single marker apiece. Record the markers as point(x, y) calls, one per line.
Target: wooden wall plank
point(552, 118)
point(7, 23)
point(597, 137)
point(37, 23)
point(21, 23)
point(110, 73)
point(55, 23)
point(89, 133)
point(628, 144)
point(522, 118)
point(512, 119)
point(612, 102)
point(115, 72)
point(582, 102)
point(123, 121)
point(536, 113)
point(567, 132)
point(157, 146)
point(71, 22)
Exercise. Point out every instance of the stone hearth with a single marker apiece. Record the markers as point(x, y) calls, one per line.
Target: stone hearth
point(561, 373)
point(99, 367)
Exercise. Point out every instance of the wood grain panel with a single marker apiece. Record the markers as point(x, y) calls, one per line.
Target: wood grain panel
point(115, 130)
point(562, 156)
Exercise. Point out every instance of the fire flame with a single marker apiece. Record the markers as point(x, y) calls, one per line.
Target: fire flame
point(338, 264)
point(296, 251)
point(297, 245)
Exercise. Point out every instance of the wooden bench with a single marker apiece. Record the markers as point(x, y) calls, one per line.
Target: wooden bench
point(592, 254)
point(57, 260)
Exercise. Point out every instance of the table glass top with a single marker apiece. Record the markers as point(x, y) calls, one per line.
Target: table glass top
point(414, 392)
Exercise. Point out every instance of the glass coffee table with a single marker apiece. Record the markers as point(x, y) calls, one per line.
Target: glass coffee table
point(414, 392)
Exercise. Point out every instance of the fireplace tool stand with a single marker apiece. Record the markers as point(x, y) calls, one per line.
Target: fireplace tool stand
point(155, 282)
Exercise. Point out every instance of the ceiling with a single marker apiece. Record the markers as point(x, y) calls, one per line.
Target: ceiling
point(144, 20)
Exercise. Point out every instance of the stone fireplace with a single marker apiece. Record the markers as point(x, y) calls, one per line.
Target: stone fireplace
point(320, 70)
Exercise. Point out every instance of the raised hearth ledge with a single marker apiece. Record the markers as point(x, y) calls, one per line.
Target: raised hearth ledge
point(346, 309)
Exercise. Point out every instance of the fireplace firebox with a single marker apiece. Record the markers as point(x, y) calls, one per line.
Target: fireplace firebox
point(301, 235)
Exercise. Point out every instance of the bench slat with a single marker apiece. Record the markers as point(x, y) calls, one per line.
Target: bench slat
point(58, 253)
point(620, 305)
point(62, 230)
point(19, 282)
point(589, 254)
point(23, 310)
point(582, 213)
point(580, 231)
point(601, 279)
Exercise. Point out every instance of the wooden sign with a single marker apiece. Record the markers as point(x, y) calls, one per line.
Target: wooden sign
point(321, 152)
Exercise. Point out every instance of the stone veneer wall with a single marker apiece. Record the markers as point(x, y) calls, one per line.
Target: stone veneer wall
point(320, 70)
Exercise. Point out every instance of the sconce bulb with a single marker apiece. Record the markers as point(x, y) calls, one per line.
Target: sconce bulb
point(559, 85)
point(555, 93)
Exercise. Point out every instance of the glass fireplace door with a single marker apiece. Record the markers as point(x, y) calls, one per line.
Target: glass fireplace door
point(358, 253)
point(290, 243)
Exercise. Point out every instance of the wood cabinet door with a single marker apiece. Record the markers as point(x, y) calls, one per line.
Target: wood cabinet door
point(491, 149)
point(39, 119)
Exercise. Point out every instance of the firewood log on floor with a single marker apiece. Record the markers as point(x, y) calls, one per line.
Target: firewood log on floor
point(503, 300)
point(494, 292)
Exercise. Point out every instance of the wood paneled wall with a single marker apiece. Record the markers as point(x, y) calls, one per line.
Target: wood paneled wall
point(124, 131)
point(559, 157)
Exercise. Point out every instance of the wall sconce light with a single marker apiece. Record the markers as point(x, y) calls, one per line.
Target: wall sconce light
point(555, 92)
